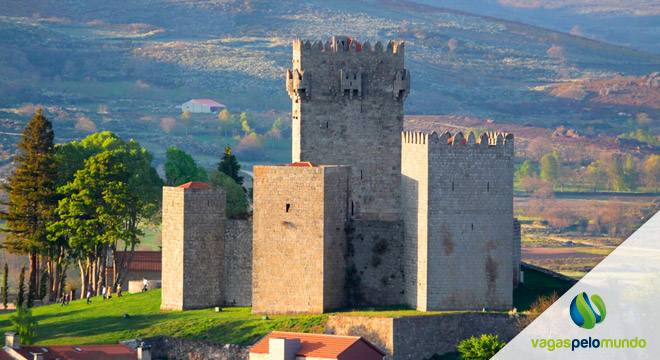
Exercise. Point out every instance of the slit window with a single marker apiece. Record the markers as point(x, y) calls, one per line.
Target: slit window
point(288, 206)
point(452, 186)
point(488, 186)
point(472, 226)
point(360, 174)
point(352, 208)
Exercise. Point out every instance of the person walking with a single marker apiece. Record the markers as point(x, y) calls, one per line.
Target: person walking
point(144, 284)
point(119, 290)
point(109, 292)
point(63, 299)
point(89, 297)
point(103, 292)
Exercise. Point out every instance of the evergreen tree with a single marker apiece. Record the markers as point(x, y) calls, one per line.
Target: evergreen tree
point(43, 285)
point(230, 166)
point(31, 292)
point(21, 288)
point(5, 286)
point(32, 194)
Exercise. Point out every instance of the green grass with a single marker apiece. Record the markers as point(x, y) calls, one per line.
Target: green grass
point(537, 284)
point(102, 322)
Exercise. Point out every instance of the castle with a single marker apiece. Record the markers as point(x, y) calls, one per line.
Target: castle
point(365, 214)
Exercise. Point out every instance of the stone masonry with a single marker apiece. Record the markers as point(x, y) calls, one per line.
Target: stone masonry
point(347, 109)
point(299, 240)
point(457, 199)
point(193, 247)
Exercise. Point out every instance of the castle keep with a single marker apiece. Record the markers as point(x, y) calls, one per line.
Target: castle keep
point(364, 214)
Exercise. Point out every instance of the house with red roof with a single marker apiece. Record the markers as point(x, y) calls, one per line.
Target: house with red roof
point(283, 345)
point(143, 264)
point(14, 351)
point(202, 106)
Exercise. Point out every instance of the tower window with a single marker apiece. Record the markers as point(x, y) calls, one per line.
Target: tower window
point(327, 125)
point(472, 226)
point(360, 174)
point(488, 186)
point(288, 206)
point(352, 208)
point(452, 186)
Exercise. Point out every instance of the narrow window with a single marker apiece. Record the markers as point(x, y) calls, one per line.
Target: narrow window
point(327, 125)
point(472, 225)
point(352, 208)
point(360, 174)
point(452, 186)
point(488, 186)
point(288, 206)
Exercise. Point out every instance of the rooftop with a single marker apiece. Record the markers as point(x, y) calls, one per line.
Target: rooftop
point(195, 185)
point(81, 352)
point(303, 164)
point(142, 260)
point(209, 102)
point(313, 345)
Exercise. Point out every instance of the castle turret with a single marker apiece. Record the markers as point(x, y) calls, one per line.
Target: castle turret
point(347, 109)
point(193, 246)
point(457, 204)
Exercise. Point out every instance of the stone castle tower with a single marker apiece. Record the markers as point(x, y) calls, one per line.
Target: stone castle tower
point(365, 214)
point(347, 109)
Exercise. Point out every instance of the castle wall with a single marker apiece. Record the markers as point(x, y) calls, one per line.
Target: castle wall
point(238, 263)
point(298, 238)
point(376, 252)
point(467, 250)
point(347, 109)
point(517, 242)
point(193, 247)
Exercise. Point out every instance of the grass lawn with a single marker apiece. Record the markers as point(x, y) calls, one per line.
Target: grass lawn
point(537, 284)
point(102, 322)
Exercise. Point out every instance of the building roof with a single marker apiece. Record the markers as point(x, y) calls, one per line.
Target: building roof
point(142, 260)
point(195, 185)
point(321, 346)
point(96, 352)
point(208, 102)
point(303, 164)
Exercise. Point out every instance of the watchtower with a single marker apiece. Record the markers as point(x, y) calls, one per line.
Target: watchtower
point(457, 205)
point(347, 109)
point(193, 246)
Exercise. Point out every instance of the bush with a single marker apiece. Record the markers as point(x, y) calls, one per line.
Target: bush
point(237, 203)
point(24, 324)
point(484, 347)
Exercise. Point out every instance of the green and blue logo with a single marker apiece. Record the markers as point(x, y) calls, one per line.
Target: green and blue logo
point(583, 313)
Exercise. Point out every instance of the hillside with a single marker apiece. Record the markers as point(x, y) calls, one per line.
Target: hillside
point(124, 65)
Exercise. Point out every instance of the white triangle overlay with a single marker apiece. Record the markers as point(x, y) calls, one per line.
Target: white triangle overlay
point(628, 281)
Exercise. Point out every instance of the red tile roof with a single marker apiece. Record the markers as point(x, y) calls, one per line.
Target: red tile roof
point(209, 102)
point(195, 185)
point(96, 352)
point(142, 260)
point(303, 164)
point(320, 346)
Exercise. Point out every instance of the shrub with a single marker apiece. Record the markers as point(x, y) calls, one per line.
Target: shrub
point(24, 324)
point(484, 347)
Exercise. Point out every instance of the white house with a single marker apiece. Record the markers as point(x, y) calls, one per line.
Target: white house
point(206, 106)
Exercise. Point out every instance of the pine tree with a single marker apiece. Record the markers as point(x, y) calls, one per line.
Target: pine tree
point(5, 286)
point(230, 166)
point(32, 194)
point(21, 288)
point(31, 292)
point(43, 285)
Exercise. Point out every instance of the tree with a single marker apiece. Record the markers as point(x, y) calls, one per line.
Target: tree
point(526, 169)
point(141, 204)
point(230, 166)
point(20, 298)
point(595, 173)
point(652, 171)
point(277, 125)
point(186, 119)
point(32, 195)
point(481, 348)
point(5, 286)
point(181, 168)
point(224, 116)
point(549, 168)
point(24, 324)
point(630, 173)
point(237, 203)
point(43, 284)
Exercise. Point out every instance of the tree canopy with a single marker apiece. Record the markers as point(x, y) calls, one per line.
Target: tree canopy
point(237, 203)
point(230, 166)
point(181, 168)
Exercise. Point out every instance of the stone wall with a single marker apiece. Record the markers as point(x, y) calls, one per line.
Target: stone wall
point(347, 109)
point(193, 247)
point(459, 220)
point(238, 263)
point(420, 337)
point(517, 243)
point(298, 239)
point(376, 255)
point(171, 348)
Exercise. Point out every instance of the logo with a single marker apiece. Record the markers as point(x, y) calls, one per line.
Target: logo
point(583, 314)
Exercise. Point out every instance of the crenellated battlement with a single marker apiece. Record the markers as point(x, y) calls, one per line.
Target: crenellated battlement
point(348, 45)
point(488, 138)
